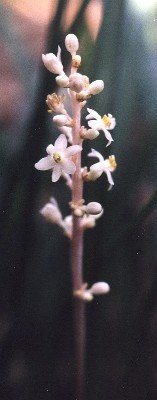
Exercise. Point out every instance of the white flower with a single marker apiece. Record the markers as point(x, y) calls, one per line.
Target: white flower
point(109, 165)
point(59, 158)
point(53, 63)
point(105, 123)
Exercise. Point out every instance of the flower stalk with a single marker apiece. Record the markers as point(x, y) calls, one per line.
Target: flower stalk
point(65, 162)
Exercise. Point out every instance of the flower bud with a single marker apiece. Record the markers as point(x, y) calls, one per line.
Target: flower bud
point(62, 120)
point(82, 96)
point(62, 80)
point(83, 295)
point(91, 134)
point(76, 82)
point(52, 63)
point(100, 288)
point(93, 208)
point(95, 172)
point(95, 87)
point(51, 213)
point(76, 61)
point(71, 43)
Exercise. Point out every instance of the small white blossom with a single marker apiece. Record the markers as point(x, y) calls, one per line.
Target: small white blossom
point(59, 158)
point(107, 166)
point(105, 123)
point(71, 43)
point(53, 63)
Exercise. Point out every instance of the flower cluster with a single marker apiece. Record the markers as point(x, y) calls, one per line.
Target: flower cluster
point(64, 156)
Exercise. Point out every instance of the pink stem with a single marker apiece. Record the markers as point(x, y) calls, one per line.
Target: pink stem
point(76, 262)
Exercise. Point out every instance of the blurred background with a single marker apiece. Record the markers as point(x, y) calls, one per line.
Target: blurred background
point(118, 43)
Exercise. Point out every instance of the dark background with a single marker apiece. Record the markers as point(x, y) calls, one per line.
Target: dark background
point(35, 283)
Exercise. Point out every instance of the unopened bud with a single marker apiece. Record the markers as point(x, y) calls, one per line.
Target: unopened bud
point(91, 134)
point(82, 96)
point(76, 82)
point(62, 120)
point(83, 295)
point(62, 80)
point(95, 87)
point(52, 63)
point(95, 172)
point(93, 208)
point(100, 288)
point(71, 43)
point(51, 213)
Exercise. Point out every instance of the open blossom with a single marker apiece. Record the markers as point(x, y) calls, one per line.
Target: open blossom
point(104, 123)
point(109, 165)
point(53, 63)
point(59, 158)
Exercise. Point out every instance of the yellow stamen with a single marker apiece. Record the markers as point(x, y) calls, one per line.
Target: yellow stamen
point(57, 157)
point(112, 162)
point(106, 120)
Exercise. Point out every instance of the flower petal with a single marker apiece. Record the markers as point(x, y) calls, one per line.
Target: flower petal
point(93, 114)
point(50, 149)
point(113, 122)
point(108, 137)
point(109, 176)
point(59, 53)
point(56, 173)
point(97, 169)
point(94, 124)
point(71, 150)
point(95, 153)
point(45, 164)
point(61, 142)
point(68, 166)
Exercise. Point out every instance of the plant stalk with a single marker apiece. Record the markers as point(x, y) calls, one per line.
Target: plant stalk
point(77, 263)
